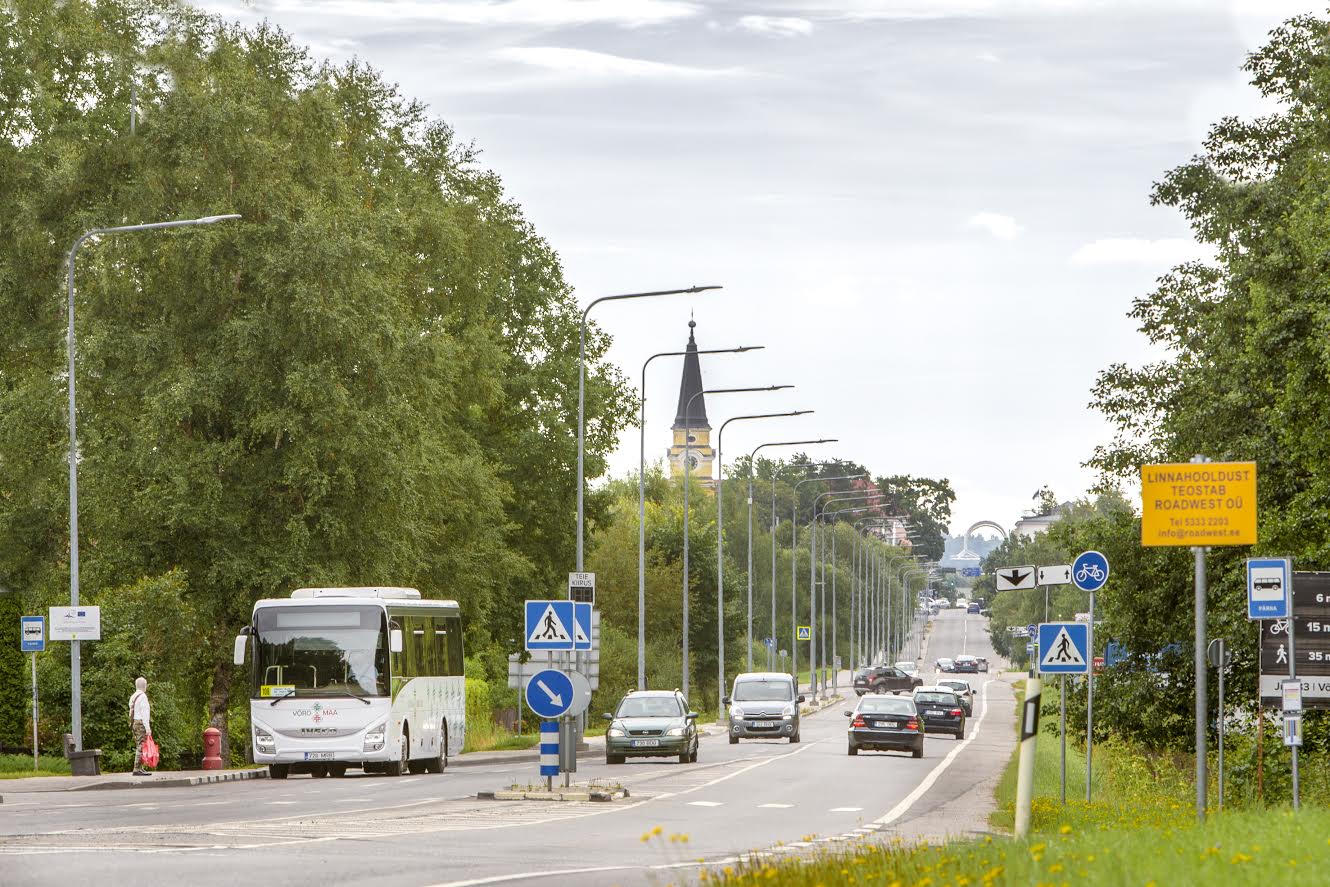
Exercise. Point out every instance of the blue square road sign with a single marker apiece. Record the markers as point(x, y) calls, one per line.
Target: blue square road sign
point(1064, 648)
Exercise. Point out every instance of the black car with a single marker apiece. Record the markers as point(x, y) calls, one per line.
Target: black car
point(886, 723)
point(884, 679)
point(941, 711)
point(965, 664)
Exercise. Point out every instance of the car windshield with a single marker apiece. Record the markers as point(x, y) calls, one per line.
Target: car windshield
point(959, 686)
point(887, 706)
point(905, 666)
point(937, 698)
point(650, 707)
point(320, 651)
point(763, 691)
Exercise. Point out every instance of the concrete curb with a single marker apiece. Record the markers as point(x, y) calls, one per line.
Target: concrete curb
point(113, 781)
point(571, 794)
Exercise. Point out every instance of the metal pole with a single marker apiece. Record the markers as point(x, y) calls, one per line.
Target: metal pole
point(1221, 725)
point(835, 648)
point(771, 654)
point(75, 652)
point(812, 606)
point(794, 595)
point(36, 763)
point(1201, 777)
point(750, 565)
point(1062, 729)
point(1293, 673)
point(1089, 708)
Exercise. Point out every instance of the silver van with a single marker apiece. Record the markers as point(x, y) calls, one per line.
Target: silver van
point(764, 705)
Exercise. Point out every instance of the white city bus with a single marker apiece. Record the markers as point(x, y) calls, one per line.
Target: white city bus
point(355, 677)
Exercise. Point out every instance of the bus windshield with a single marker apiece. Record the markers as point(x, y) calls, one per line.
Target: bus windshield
point(320, 651)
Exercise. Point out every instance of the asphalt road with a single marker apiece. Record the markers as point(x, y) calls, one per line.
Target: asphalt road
point(430, 830)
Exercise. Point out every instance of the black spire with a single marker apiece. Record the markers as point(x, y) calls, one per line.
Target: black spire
point(689, 385)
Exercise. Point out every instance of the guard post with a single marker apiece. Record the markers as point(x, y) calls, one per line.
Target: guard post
point(549, 752)
point(1025, 768)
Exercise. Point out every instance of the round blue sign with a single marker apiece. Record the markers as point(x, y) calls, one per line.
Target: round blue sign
point(1090, 571)
point(549, 693)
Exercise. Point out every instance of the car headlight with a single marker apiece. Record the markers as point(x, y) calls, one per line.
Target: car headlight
point(736, 712)
point(263, 740)
point(789, 710)
point(674, 731)
point(614, 731)
point(374, 738)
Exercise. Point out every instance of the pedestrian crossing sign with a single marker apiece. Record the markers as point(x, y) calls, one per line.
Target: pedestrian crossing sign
point(550, 625)
point(1064, 648)
point(805, 633)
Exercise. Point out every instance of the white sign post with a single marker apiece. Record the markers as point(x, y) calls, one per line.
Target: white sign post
point(75, 624)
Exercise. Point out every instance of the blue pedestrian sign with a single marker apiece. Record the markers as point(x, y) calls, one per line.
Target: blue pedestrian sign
point(550, 625)
point(581, 626)
point(1064, 648)
point(32, 634)
point(1268, 586)
point(1089, 571)
point(549, 693)
point(805, 633)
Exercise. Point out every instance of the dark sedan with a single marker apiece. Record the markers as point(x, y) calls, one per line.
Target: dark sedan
point(886, 723)
point(941, 711)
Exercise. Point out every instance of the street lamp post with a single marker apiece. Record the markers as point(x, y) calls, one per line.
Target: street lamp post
point(771, 651)
point(581, 392)
point(75, 653)
point(642, 500)
point(687, 469)
point(820, 684)
point(835, 621)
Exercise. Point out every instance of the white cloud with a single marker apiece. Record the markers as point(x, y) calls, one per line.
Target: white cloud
point(543, 13)
point(1000, 226)
point(1165, 252)
point(777, 25)
point(600, 64)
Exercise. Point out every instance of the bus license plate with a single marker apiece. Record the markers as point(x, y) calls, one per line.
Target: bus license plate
point(646, 743)
point(318, 756)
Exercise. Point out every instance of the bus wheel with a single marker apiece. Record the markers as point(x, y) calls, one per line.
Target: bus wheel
point(439, 764)
point(402, 765)
point(278, 771)
point(318, 771)
point(337, 771)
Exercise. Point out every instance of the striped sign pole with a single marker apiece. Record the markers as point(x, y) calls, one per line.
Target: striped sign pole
point(1025, 766)
point(549, 752)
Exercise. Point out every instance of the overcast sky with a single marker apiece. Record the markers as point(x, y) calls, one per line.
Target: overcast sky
point(933, 213)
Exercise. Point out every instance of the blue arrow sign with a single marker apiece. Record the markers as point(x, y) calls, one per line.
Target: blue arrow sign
point(550, 625)
point(1030, 630)
point(1064, 648)
point(1089, 571)
point(582, 619)
point(1268, 587)
point(549, 693)
point(32, 634)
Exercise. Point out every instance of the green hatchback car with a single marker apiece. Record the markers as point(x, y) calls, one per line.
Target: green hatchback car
point(651, 724)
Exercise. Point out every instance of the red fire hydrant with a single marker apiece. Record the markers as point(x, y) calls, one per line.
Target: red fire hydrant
point(212, 749)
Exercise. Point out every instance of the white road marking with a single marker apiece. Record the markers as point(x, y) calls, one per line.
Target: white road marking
point(845, 809)
point(706, 803)
point(277, 803)
point(908, 801)
point(774, 806)
point(499, 879)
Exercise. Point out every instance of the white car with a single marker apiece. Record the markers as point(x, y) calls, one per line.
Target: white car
point(962, 689)
point(908, 666)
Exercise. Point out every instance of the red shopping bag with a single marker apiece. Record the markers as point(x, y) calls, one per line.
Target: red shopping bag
point(150, 755)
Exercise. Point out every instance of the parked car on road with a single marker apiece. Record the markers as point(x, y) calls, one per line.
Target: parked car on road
point(651, 724)
point(763, 705)
point(884, 679)
point(963, 690)
point(885, 723)
point(941, 711)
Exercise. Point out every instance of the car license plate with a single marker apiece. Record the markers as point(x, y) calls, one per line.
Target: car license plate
point(888, 724)
point(935, 713)
point(764, 723)
point(646, 743)
point(318, 756)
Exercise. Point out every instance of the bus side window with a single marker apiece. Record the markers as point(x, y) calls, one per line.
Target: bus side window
point(442, 643)
point(455, 664)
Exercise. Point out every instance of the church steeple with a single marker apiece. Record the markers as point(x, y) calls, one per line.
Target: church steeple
point(691, 420)
point(690, 388)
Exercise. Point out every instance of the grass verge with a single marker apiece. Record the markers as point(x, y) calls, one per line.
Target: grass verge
point(20, 766)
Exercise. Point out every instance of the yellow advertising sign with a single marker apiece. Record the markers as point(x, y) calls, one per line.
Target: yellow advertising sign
point(1198, 503)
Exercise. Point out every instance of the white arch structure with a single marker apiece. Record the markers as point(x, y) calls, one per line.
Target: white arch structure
point(965, 553)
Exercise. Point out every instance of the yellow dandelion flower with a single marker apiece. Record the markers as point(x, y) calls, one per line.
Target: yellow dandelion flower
point(1066, 830)
point(1239, 857)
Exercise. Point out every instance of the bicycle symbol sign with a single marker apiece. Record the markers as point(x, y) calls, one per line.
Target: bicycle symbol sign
point(1090, 571)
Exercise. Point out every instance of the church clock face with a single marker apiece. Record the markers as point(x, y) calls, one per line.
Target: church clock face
point(692, 461)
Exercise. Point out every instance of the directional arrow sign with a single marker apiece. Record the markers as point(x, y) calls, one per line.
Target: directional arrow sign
point(549, 693)
point(1015, 578)
point(1058, 575)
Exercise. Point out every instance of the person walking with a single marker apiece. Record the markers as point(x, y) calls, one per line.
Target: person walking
point(140, 720)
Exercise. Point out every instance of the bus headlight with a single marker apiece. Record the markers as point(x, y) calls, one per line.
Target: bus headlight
point(374, 738)
point(263, 741)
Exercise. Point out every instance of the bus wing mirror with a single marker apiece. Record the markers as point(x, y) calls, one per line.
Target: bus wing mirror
point(239, 655)
point(395, 640)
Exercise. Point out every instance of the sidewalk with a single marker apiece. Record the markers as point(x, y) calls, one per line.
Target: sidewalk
point(164, 779)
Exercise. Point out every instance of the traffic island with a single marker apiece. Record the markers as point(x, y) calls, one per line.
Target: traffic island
point(587, 792)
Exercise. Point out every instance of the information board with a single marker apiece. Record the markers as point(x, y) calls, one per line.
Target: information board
point(1198, 503)
point(1311, 624)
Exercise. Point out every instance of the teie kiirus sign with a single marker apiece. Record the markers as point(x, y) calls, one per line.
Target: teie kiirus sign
point(1198, 503)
